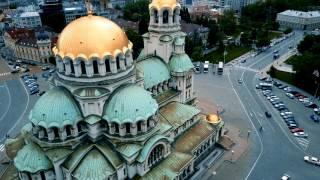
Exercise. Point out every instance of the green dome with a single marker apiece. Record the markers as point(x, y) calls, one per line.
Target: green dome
point(153, 70)
point(129, 104)
point(32, 159)
point(180, 63)
point(56, 108)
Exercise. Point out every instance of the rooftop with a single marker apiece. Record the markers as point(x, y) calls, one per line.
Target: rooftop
point(29, 14)
point(303, 14)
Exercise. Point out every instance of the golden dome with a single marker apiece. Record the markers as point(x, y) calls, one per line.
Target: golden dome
point(92, 36)
point(213, 119)
point(159, 4)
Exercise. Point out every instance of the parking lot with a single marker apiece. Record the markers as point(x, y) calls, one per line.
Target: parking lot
point(296, 110)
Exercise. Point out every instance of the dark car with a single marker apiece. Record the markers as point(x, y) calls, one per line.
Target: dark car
point(292, 126)
point(268, 115)
point(315, 118)
point(34, 91)
point(15, 71)
point(41, 93)
point(312, 106)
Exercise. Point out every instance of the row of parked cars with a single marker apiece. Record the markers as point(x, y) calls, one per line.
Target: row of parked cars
point(306, 101)
point(32, 84)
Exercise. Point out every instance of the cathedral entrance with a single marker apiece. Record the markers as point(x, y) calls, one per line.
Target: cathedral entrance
point(156, 155)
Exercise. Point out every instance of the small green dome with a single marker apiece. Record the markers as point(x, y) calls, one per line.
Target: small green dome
point(32, 159)
point(180, 63)
point(56, 108)
point(153, 70)
point(129, 104)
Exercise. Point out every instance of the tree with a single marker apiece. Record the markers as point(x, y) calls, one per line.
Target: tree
point(136, 40)
point(213, 30)
point(134, 11)
point(227, 22)
point(143, 25)
point(263, 42)
point(245, 39)
point(197, 54)
point(52, 60)
point(287, 31)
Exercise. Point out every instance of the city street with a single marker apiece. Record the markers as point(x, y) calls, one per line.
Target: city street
point(273, 151)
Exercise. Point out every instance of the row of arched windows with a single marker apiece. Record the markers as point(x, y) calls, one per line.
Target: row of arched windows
point(166, 16)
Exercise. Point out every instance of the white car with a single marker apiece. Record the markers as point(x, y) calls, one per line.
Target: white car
point(312, 160)
point(300, 134)
point(285, 177)
point(291, 96)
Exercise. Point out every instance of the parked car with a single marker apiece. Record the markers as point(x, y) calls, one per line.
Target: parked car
point(312, 106)
point(285, 177)
point(317, 111)
point(240, 81)
point(292, 126)
point(300, 134)
point(297, 130)
point(15, 71)
point(34, 91)
point(41, 93)
point(312, 160)
point(291, 96)
point(315, 118)
point(268, 115)
point(44, 68)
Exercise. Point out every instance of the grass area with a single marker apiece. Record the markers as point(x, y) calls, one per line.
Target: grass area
point(274, 34)
point(233, 52)
point(283, 76)
point(291, 60)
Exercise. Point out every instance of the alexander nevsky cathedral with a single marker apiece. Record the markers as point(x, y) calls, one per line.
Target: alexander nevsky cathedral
point(108, 116)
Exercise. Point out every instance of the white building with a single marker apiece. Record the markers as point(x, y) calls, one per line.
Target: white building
point(299, 19)
point(237, 5)
point(28, 20)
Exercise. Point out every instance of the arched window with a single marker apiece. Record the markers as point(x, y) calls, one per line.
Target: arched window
point(72, 67)
point(139, 125)
point(128, 126)
point(107, 63)
point(116, 127)
point(165, 17)
point(83, 67)
point(56, 132)
point(95, 67)
point(156, 155)
point(118, 62)
point(156, 16)
point(68, 130)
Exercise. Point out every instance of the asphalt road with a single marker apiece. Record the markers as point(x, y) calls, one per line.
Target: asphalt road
point(280, 152)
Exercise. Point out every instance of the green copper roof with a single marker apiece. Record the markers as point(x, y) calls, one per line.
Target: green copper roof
point(169, 168)
point(56, 108)
point(166, 38)
point(32, 159)
point(141, 55)
point(129, 150)
point(179, 41)
point(57, 154)
point(180, 63)
point(153, 70)
point(92, 119)
point(147, 147)
point(177, 114)
point(93, 166)
point(129, 104)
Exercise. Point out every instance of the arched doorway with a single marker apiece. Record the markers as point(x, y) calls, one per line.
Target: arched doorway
point(156, 155)
point(165, 17)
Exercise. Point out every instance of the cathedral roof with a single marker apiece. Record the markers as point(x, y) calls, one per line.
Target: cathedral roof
point(153, 70)
point(93, 166)
point(32, 159)
point(129, 104)
point(92, 36)
point(180, 63)
point(56, 108)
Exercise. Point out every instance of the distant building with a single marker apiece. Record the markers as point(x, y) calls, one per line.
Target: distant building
point(124, 24)
point(52, 14)
point(299, 19)
point(191, 29)
point(237, 5)
point(28, 20)
point(29, 45)
point(72, 13)
point(206, 11)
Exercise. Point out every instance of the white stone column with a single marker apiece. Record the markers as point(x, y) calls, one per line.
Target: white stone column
point(102, 68)
point(75, 131)
point(170, 16)
point(89, 69)
point(122, 64)
point(63, 134)
point(144, 126)
point(112, 129)
point(68, 68)
point(122, 130)
point(113, 66)
point(133, 129)
point(50, 134)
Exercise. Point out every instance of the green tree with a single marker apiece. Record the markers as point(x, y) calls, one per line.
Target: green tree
point(134, 11)
point(213, 31)
point(197, 54)
point(227, 22)
point(287, 31)
point(137, 41)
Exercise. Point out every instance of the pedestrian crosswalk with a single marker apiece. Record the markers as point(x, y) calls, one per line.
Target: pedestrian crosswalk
point(5, 74)
point(2, 147)
point(304, 143)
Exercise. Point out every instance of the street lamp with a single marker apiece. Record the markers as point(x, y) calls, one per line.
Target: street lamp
point(232, 152)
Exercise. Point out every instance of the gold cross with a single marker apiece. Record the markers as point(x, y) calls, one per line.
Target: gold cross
point(89, 7)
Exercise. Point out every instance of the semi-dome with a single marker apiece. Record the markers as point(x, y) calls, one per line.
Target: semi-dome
point(32, 159)
point(180, 63)
point(159, 4)
point(92, 36)
point(56, 108)
point(130, 104)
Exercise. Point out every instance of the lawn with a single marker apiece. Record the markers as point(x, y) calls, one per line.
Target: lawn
point(283, 76)
point(233, 52)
